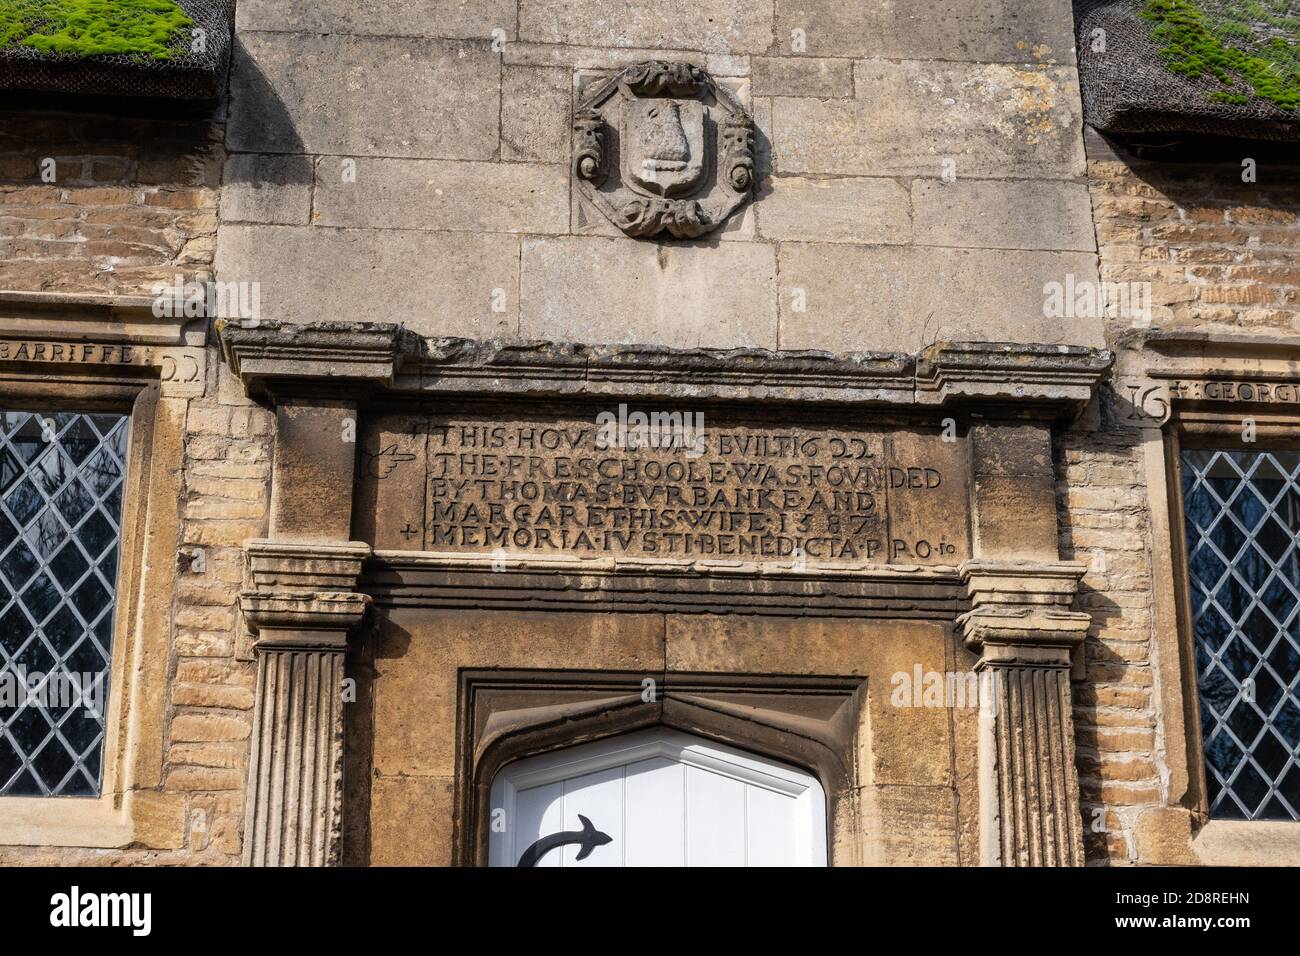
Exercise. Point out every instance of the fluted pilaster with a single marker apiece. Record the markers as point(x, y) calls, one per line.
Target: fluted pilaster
point(1037, 784)
point(294, 804)
point(294, 812)
point(1022, 627)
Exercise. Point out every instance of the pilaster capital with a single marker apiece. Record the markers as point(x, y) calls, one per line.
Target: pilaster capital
point(306, 565)
point(303, 618)
point(303, 592)
point(1021, 612)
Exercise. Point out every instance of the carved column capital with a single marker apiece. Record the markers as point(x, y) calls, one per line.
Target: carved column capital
point(1021, 612)
point(303, 592)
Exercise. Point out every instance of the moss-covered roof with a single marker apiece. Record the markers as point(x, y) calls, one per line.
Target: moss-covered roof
point(141, 29)
point(1252, 47)
point(153, 48)
point(1214, 67)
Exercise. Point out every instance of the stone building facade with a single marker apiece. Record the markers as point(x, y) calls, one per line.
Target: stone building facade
point(899, 575)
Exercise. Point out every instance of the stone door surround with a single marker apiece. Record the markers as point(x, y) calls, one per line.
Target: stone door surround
point(1006, 588)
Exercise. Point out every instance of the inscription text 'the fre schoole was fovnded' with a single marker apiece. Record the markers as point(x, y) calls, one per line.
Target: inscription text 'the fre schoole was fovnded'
point(739, 493)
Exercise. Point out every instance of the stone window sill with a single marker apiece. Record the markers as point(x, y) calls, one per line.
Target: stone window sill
point(1248, 843)
point(146, 818)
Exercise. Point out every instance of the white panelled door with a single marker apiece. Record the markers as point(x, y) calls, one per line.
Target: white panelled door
point(656, 798)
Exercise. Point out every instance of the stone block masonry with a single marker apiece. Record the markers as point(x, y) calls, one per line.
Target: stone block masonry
point(922, 175)
point(1216, 234)
point(1105, 522)
point(413, 165)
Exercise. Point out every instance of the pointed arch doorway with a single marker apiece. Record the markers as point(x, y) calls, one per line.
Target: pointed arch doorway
point(656, 797)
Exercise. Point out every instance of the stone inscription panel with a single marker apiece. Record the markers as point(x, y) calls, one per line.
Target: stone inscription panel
point(573, 485)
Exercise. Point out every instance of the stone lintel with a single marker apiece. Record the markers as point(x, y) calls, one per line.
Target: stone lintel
point(274, 356)
point(102, 318)
point(101, 339)
point(1160, 373)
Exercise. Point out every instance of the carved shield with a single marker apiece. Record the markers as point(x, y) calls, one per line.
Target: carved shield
point(663, 145)
point(683, 157)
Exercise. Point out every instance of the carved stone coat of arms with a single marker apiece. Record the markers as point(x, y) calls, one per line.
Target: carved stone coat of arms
point(661, 147)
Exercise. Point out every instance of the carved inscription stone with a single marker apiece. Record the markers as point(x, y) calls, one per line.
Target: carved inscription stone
point(181, 369)
point(569, 485)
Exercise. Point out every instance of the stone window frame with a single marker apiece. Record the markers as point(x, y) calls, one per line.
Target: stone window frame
point(1162, 386)
point(131, 809)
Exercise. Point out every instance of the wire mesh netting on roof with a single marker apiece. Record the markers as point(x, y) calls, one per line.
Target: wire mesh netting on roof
point(171, 48)
point(1229, 67)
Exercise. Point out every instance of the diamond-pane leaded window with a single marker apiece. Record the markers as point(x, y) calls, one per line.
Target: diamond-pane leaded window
point(61, 484)
point(1242, 513)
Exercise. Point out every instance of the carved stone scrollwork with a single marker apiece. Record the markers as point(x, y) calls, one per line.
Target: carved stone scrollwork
point(738, 149)
point(647, 217)
point(660, 78)
point(662, 147)
point(589, 146)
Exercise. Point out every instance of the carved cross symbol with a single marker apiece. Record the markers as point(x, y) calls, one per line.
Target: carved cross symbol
point(408, 532)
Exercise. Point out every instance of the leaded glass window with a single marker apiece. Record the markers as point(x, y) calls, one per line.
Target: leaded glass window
point(61, 485)
point(1242, 511)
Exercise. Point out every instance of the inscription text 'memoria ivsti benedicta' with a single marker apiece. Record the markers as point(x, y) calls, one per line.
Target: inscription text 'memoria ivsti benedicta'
point(730, 491)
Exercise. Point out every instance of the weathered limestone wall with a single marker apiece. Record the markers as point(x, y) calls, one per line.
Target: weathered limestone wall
point(1221, 253)
point(410, 163)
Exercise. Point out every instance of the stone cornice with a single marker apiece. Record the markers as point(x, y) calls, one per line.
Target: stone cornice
point(331, 357)
point(1059, 375)
point(273, 356)
point(100, 318)
point(563, 369)
point(1195, 343)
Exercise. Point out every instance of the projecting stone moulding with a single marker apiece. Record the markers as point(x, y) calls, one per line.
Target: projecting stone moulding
point(661, 147)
